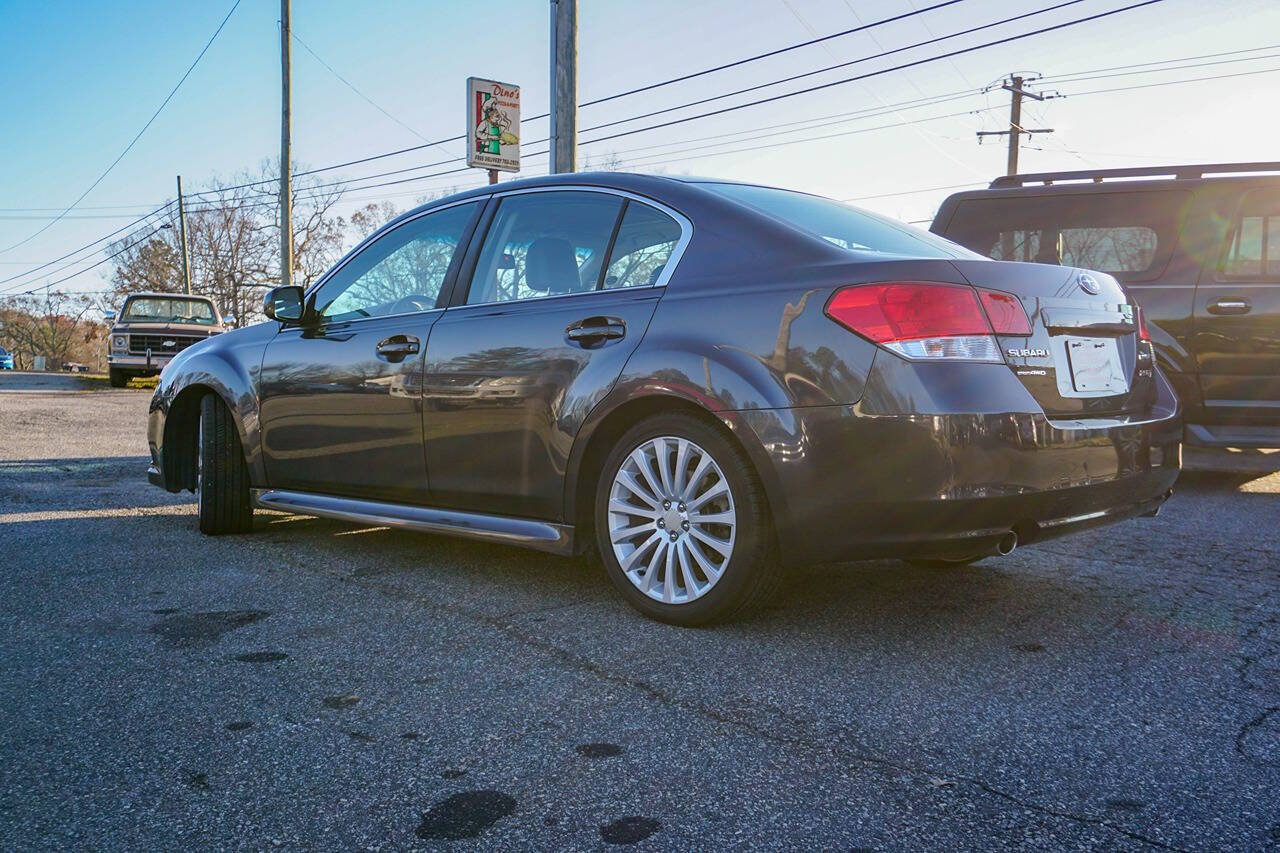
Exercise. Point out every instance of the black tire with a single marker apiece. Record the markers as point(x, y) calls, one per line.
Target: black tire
point(117, 378)
point(752, 573)
point(222, 486)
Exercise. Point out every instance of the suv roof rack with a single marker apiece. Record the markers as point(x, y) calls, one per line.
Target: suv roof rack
point(1097, 176)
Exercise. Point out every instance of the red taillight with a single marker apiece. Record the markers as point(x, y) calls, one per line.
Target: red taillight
point(927, 320)
point(1005, 312)
point(1143, 334)
point(904, 311)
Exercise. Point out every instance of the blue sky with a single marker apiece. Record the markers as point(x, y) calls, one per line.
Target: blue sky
point(82, 77)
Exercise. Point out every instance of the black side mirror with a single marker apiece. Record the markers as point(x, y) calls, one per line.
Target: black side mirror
point(283, 304)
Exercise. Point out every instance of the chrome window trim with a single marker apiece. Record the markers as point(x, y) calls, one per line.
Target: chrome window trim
point(393, 225)
point(686, 234)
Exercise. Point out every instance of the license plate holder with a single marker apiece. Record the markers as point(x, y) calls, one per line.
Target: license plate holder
point(1095, 366)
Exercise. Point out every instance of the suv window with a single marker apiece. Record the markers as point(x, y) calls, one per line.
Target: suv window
point(544, 244)
point(400, 272)
point(1253, 250)
point(644, 244)
point(847, 227)
point(1130, 235)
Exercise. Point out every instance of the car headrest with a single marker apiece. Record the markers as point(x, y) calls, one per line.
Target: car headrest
point(551, 266)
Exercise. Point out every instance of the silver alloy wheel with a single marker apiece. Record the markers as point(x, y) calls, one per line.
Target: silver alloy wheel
point(672, 521)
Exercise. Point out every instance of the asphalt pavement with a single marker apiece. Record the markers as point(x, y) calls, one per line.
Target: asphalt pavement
point(322, 685)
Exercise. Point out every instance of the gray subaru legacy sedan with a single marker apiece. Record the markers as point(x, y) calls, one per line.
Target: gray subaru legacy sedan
point(702, 381)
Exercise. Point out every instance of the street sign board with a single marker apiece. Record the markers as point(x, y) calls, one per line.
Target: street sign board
point(493, 125)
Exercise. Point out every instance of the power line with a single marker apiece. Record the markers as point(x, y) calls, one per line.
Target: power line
point(141, 219)
point(648, 87)
point(1170, 83)
point(1056, 77)
point(770, 53)
point(723, 151)
point(133, 141)
point(703, 100)
point(113, 255)
point(1081, 79)
point(861, 59)
point(370, 101)
point(919, 190)
point(870, 74)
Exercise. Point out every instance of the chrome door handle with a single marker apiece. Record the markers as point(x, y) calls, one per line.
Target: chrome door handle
point(398, 346)
point(594, 331)
point(1230, 306)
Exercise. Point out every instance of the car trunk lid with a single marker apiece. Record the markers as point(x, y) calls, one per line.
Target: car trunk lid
point(1083, 357)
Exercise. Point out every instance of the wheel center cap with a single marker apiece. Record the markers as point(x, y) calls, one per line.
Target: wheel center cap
point(673, 519)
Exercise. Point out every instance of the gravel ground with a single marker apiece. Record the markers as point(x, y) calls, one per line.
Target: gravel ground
point(316, 684)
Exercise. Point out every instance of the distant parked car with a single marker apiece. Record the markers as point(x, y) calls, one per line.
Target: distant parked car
point(1198, 247)
point(702, 380)
point(6, 359)
point(154, 327)
point(75, 367)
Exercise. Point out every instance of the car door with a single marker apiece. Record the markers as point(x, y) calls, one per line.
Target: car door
point(1237, 318)
point(555, 299)
point(341, 394)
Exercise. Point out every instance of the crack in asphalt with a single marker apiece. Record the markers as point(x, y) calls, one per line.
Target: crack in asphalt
point(1256, 722)
point(582, 664)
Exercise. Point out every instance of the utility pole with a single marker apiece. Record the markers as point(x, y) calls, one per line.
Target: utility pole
point(286, 189)
point(564, 85)
point(182, 236)
point(1014, 85)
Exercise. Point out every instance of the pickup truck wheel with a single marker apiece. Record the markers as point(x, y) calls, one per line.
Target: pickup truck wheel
point(118, 378)
point(683, 525)
point(222, 477)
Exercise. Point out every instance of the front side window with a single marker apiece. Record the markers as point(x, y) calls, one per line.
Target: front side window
point(401, 272)
point(544, 244)
point(165, 309)
point(646, 238)
point(1253, 250)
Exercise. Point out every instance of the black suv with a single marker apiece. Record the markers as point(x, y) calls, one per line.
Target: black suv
point(1198, 247)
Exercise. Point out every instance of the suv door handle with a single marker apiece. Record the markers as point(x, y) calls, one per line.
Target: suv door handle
point(397, 347)
point(595, 331)
point(1230, 306)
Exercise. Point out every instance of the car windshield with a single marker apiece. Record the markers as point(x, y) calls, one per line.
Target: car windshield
point(847, 227)
point(166, 309)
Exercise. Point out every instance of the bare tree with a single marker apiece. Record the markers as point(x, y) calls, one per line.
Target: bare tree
point(233, 237)
point(50, 324)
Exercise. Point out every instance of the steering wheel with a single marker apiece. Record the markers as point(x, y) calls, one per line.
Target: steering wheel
point(413, 302)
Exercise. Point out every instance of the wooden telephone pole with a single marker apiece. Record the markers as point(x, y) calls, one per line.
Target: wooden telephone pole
point(1015, 85)
point(564, 85)
point(182, 236)
point(286, 188)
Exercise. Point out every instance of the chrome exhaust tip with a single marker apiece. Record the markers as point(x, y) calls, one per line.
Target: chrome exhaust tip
point(1007, 543)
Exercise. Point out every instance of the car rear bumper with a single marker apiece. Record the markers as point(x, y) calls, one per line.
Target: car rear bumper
point(847, 483)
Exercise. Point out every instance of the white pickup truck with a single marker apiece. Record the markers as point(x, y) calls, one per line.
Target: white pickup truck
point(152, 328)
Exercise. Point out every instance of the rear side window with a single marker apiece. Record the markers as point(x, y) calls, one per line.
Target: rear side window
point(1129, 235)
point(1253, 251)
point(544, 244)
point(646, 238)
point(845, 226)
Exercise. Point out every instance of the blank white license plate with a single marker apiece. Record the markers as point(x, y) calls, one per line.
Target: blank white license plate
point(1095, 365)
